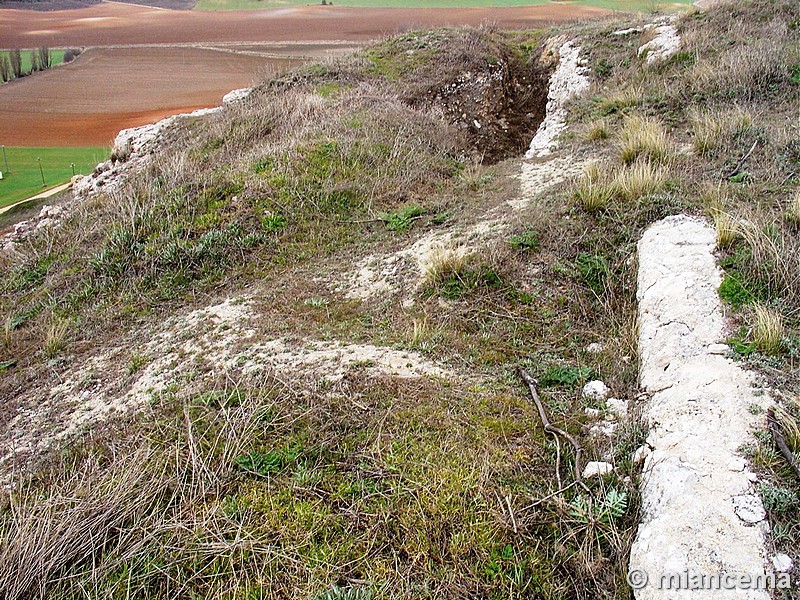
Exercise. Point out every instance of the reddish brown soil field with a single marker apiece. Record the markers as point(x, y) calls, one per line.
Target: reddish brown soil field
point(89, 100)
point(111, 87)
point(113, 24)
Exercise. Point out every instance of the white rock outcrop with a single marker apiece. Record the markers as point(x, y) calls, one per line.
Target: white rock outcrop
point(666, 43)
point(132, 152)
point(236, 95)
point(595, 390)
point(569, 79)
point(700, 511)
point(596, 468)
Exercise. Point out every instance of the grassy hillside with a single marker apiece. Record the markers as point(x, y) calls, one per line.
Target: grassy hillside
point(245, 472)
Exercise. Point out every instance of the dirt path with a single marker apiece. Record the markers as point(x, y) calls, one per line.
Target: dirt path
point(41, 196)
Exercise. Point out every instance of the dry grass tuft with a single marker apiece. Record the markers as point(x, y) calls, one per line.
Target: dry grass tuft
point(597, 130)
point(714, 197)
point(640, 179)
point(707, 128)
point(711, 127)
point(55, 338)
point(746, 71)
point(618, 101)
point(594, 190)
point(444, 263)
point(728, 230)
point(775, 256)
point(643, 137)
point(768, 329)
point(790, 424)
point(792, 213)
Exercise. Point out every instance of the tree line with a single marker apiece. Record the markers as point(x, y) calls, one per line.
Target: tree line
point(11, 66)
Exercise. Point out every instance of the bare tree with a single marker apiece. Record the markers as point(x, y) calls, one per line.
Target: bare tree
point(16, 62)
point(44, 61)
point(35, 62)
point(69, 55)
point(5, 69)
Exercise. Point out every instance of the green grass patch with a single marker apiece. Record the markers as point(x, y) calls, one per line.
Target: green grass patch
point(565, 376)
point(402, 219)
point(23, 178)
point(734, 291)
point(56, 58)
point(528, 240)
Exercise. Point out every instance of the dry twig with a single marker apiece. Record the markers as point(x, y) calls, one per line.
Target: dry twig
point(549, 427)
point(780, 441)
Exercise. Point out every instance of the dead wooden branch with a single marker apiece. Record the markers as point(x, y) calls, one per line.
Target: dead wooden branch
point(549, 427)
point(780, 441)
point(742, 160)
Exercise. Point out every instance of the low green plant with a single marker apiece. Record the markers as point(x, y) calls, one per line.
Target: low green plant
point(778, 499)
point(262, 464)
point(734, 290)
point(273, 222)
point(469, 279)
point(608, 509)
point(594, 271)
point(528, 240)
point(565, 376)
point(137, 361)
point(402, 219)
point(740, 343)
point(794, 74)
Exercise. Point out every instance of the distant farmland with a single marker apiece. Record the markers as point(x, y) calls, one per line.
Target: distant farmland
point(86, 102)
point(24, 177)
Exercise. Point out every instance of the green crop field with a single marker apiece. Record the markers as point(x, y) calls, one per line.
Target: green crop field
point(622, 5)
point(56, 58)
point(23, 178)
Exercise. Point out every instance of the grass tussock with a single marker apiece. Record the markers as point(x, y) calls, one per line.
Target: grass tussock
point(603, 183)
point(594, 190)
point(56, 338)
point(619, 101)
point(728, 229)
point(711, 127)
point(768, 329)
point(640, 179)
point(789, 419)
point(597, 130)
point(643, 138)
point(793, 209)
